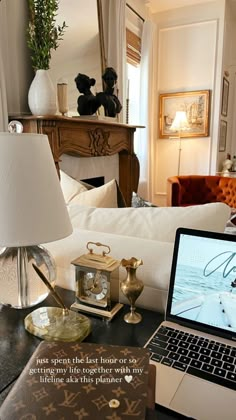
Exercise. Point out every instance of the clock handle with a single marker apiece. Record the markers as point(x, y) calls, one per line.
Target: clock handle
point(98, 244)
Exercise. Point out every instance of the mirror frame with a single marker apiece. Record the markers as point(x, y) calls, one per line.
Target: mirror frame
point(101, 36)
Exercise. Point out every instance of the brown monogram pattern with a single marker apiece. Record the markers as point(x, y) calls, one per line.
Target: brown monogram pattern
point(78, 381)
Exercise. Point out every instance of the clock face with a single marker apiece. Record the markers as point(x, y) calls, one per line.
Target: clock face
point(97, 289)
point(95, 286)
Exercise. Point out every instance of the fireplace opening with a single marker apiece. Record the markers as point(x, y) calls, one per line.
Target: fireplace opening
point(97, 181)
point(96, 171)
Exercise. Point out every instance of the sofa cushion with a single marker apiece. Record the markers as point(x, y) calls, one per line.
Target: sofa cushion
point(158, 223)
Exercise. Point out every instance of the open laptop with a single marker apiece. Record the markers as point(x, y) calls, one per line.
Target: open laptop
point(194, 349)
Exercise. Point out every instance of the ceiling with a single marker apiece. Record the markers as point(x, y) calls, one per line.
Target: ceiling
point(163, 5)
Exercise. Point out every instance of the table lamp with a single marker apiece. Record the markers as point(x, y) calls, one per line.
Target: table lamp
point(32, 212)
point(179, 124)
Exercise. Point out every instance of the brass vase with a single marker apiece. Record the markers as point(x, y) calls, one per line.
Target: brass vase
point(132, 288)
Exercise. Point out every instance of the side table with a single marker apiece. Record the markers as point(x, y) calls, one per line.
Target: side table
point(17, 345)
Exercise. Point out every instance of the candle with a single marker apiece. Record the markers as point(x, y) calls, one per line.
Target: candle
point(62, 96)
point(128, 89)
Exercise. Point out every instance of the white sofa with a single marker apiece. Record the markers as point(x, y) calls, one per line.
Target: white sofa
point(146, 233)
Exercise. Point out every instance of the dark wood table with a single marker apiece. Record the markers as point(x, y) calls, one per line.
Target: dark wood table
point(17, 345)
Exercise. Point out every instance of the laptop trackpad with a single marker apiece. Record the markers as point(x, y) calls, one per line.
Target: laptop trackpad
point(204, 400)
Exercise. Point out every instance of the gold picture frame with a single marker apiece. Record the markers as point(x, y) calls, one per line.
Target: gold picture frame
point(196, 104)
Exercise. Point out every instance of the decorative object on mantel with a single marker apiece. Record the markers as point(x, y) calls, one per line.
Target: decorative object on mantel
point(87, 103)
point(42, 94)
point(107, 98)
point(132, 287)
point(32, 212)
point(127, 103)
point(62, 99)
point(15, 127)
point(42, 37)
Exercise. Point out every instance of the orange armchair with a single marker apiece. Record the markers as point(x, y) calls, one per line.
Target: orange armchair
point(200, 189)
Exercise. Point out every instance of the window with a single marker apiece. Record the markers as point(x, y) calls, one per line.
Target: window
point(133, 93)
point(133, 48)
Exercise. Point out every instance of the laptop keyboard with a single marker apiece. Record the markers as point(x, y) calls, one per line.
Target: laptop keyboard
point(207, 359)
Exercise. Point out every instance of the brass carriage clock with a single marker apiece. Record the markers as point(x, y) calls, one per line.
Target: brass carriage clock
point(97, 283)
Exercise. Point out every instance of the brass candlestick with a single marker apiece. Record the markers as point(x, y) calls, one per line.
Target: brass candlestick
point(132, 288)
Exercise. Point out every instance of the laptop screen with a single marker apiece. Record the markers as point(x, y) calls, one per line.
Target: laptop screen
point(203, 282)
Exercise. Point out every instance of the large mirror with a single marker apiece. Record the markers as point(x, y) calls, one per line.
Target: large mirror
point(80, 49)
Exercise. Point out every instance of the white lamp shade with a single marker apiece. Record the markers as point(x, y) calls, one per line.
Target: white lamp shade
point(180, 121)
point(32, 207)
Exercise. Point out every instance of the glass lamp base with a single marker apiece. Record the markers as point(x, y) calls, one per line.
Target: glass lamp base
point(21, 286)
point(57, 324)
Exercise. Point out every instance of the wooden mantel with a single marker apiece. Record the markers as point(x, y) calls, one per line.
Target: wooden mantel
point(89, 137)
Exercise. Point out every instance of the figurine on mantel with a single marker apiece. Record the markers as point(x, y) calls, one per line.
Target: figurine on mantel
point(107, 98)
point(227, 165)
point(87, 102)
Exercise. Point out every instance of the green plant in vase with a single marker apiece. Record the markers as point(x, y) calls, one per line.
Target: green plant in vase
point(43, 36)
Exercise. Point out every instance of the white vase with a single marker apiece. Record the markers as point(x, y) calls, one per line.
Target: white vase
point(42, 94)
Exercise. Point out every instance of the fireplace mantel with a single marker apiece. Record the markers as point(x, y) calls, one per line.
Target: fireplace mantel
point(88, 138)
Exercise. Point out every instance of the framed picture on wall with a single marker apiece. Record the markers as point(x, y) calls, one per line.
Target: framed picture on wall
point(196, 105)
point(223, 135)
point(225, 97)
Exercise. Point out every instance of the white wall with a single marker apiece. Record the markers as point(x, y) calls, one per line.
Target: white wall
point(189, 58)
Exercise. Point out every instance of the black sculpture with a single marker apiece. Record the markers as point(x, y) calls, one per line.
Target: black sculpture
point(107, 99)
point(87, 103)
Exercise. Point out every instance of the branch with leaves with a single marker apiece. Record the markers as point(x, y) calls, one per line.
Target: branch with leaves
point(43, 35)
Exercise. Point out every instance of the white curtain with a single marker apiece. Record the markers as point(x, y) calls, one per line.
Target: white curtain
point(144, 148)
point(113, 13)
point(3, 96)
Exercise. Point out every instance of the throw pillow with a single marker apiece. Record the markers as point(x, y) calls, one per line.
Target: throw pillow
point(120, 198)
point(104, 196)
point(70, 187)
point(232, 220)
point(138, 201)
